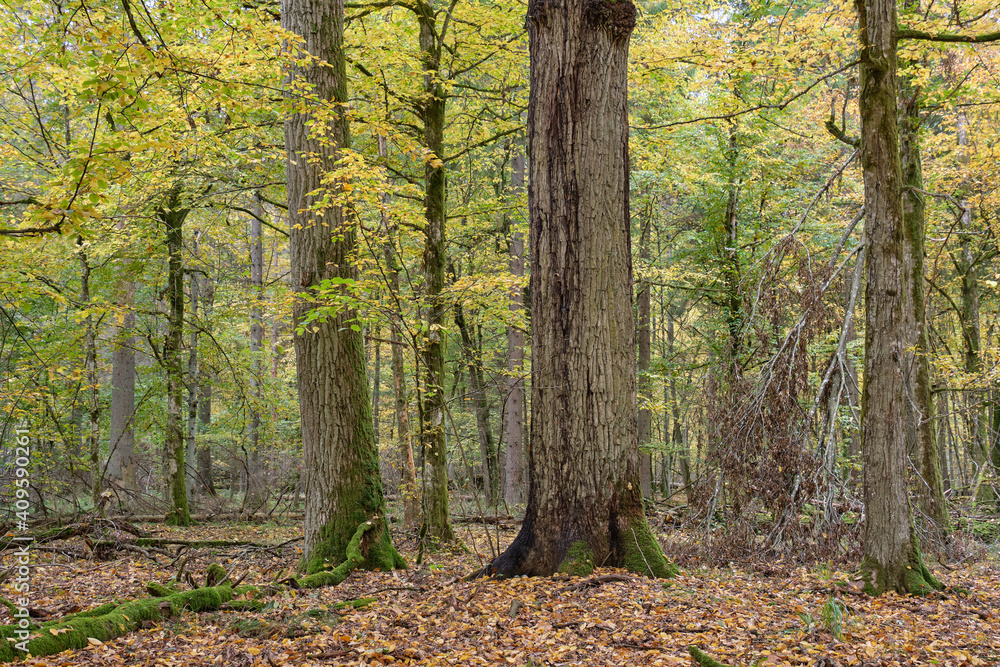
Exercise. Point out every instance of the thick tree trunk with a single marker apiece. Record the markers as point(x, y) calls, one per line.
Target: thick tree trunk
point(343, 483)
point(645, 423)
point(892, 559)
point(514, 461)
point(172, 216)
point(487, 449)
point(436, 520)
point(922, 407)
point(584, 506)
point(121, 436)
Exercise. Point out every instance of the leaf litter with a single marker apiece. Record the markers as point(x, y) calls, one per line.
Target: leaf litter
point(429, 615)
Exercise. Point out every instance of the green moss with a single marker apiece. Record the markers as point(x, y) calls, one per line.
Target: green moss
point(579, 559)
point(246, 605)
point(215, 574)
point(338, 574)
point(75, 632)
point(96, 611)
point(704, 660)
point(643, 553)
point(159, 590)
point(911, 578)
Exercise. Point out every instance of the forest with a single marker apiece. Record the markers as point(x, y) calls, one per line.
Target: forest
point(496, 332)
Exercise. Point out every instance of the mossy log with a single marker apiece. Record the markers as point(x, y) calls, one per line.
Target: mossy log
point(105, 623)
point(704, 660)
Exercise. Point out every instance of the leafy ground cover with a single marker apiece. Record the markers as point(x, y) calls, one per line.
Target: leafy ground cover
point(774, 614)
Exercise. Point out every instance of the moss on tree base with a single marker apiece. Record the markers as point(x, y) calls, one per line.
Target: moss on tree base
point(642, 552)
point(910, 578)
point(385, 557)
point(579, 559)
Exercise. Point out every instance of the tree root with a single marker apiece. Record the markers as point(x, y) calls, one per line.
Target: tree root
point(339, 573)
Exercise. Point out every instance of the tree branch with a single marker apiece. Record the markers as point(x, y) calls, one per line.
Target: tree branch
point(907, 33)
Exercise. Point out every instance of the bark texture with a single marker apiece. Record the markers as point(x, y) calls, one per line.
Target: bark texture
point(437, 523)
point(892, 559)
point(922, 406)
point(343, 483)
point(584, 507)
point(172, 215)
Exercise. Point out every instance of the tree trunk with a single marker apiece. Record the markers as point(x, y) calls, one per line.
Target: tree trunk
point(93, 432)
point(172, 216)
point(121, 436)
point(191, 450)
point(677, 442)
point(343, 483)
point(254, 498)
point(487, 450)
point(645, 423)
point(436, 520)
point(377, 382)
point(892, 559)
point(205, 474)
point(922, 407)
point(514, 462)
point(404, 442)
point(584, 506)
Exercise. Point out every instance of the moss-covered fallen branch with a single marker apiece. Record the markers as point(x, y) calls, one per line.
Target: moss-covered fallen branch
point(104, 623)
point(339, 573)
point(704, 660)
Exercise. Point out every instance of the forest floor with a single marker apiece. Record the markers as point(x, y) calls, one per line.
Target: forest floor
point(773, 614)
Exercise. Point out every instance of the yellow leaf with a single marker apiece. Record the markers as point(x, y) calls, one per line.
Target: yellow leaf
point(93, 641)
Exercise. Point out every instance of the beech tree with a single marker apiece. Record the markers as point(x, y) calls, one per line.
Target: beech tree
point(343, 483)
point(584, 504)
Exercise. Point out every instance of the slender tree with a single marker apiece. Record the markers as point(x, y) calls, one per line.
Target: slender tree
point(172, 214)
point(584, 505)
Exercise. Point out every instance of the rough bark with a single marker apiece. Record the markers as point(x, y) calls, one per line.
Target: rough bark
point(514, 461)
point(922, 406)
point(436, 520)
point(342, 480)
point(891, 559)
point(172, 215)
point(584, 507)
